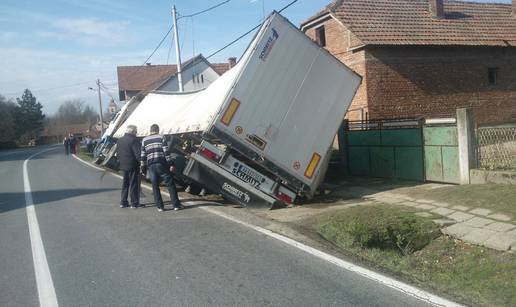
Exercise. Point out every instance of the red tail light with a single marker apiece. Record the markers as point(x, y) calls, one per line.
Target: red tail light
point(210, 154)
point(284, 198)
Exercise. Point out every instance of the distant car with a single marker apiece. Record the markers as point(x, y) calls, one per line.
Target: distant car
point(32, 142)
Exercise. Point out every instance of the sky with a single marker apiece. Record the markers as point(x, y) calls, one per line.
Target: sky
point(58, 48)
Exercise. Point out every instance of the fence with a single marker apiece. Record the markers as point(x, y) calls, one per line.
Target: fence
point(496, 148)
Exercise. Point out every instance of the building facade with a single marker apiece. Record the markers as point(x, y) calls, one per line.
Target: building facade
point(424, 58)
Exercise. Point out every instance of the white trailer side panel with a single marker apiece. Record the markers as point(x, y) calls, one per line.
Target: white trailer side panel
point(293, 95)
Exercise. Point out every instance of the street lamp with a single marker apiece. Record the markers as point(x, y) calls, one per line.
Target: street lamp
point(100, 108)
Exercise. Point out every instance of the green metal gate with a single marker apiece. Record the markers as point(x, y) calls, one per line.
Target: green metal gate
point(441, 153)
point(385, 149)
point(402, 149)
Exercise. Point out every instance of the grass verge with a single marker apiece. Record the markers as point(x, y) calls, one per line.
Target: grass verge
point(85, 155)
point(472, 274)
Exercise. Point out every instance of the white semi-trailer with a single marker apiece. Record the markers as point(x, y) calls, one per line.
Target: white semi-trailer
point(263, 131)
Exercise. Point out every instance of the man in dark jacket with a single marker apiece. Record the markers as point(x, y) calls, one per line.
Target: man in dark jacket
point(128, 152)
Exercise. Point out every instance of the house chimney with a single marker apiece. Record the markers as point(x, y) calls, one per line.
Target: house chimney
point(232, 60)
point(437, 8)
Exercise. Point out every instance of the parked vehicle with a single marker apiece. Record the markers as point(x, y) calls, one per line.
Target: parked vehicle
point(262, 132)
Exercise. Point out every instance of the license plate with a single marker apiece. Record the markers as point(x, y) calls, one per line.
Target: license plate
point(248, 174)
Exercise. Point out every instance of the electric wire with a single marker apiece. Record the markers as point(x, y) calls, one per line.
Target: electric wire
point(50, 88)
point(205, 10)
point(247, 33)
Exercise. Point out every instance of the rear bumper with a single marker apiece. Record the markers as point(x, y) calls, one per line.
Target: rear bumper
point(232, 188)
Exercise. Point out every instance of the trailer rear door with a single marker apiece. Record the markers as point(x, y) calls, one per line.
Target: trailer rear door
point(289, 100)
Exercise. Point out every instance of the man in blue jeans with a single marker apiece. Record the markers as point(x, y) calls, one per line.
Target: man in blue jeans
point(155, 157)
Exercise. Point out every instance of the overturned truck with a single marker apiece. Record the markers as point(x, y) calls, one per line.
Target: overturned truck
point(261, 134)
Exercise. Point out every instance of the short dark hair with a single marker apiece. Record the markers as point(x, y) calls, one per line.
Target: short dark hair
point(154, 128)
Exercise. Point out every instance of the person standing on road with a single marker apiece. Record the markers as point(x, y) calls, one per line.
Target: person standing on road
point(66, 143)
point(155, 156)
point(128, 152)
point(72, 142)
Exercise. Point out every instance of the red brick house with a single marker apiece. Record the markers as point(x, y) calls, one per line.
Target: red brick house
point(424, 58)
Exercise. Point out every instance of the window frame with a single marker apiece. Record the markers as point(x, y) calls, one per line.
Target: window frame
point(492, 76)
point(320, 36)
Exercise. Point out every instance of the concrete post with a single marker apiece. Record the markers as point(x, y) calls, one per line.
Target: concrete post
point(465, 134)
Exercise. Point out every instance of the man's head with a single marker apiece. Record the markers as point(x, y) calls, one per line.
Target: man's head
point(131, 129)
point(154, 129)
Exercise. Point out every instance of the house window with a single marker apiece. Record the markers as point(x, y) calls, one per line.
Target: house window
point(202, 78)
point(193, 78)
point(492, 75)
point(320, 36)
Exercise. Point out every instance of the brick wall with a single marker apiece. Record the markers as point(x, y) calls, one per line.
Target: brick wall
point(407, 82)
point(338, 46)
point(435, 81)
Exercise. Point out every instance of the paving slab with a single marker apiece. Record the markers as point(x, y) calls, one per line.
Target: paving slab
point(500, 217)
point(388, 200)
point(425, 207)
point(441, 204)
point(460, 216)
point(512, 232)
point(424, 214)
point(500, 241)
point(444, 222)
point(406, 197)
point(425, 201)
point(481, 211)
point(410, 204)
point(458, 230)
point(500, 226)
point(461, 208)
point(479, 235)
point(443, 211)
point(479, 222)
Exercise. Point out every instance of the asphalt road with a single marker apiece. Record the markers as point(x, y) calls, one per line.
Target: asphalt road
point(101, 255)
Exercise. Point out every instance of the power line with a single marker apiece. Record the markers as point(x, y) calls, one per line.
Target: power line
point(234, 41)
point(51, 88)
point(205, 10)
point(247, 33)
point(159, 45)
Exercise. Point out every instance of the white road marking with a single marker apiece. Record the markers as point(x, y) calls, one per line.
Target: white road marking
point(377, 277)
point(46, 292)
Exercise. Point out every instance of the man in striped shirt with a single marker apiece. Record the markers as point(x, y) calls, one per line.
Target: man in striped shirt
point(155, 157)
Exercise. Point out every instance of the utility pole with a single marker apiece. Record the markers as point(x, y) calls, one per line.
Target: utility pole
point(178, 52)
point(100, 106)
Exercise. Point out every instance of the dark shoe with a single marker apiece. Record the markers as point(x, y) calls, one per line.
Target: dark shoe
point(124, 206)
point(134, 207)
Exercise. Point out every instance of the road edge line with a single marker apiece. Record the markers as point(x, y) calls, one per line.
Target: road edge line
point(45, 285)
point(364, 272)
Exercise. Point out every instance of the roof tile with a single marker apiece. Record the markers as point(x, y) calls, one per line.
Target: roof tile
point(409, 22)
